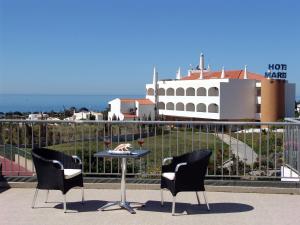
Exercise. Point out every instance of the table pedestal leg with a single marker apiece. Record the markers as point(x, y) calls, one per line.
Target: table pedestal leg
point(123, 204)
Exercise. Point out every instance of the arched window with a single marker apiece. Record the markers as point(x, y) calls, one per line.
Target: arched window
point(213, 108)
point(201, 91)
point(180, 106)
point(170, 106)
point(190, 91)
point(213, 91)
point(179, 92)
point(170, 92)
point(161, 105)
point(161, 91)
point(150, 91)
point(190, 107)
point(201, 107)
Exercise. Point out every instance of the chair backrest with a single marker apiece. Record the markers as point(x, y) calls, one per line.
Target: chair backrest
point(50, 154)
point(49, 175)
point(192, 176)
point(197, 157)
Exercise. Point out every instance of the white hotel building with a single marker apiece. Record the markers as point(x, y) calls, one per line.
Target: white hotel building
point(211, 95)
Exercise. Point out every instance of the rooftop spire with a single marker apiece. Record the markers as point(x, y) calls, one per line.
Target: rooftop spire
point(178, 74)
point(245, 72)
point(201, 74)
point(201, 62)
point(155, 76)
point(223, 73)
point(208, 68)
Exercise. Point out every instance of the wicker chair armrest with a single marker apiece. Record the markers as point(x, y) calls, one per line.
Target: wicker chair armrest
point(49, 161)
point(76, 158)
point(179, 165)
point(165, 160)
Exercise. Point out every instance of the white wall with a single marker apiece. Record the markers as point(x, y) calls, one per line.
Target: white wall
point(145, 110)
point(115, 106)
point(238, 99)
point(188, 99)
point(289, 99)
point(289, 174)
point(125, 107)
point(214, 116)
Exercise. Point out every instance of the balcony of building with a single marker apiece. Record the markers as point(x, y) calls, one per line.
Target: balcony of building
point(252, 171)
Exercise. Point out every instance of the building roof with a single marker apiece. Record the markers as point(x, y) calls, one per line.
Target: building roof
point(142, 101)
point(127, 100)
point(145, 101)
point(128, 115)
point(229, 74)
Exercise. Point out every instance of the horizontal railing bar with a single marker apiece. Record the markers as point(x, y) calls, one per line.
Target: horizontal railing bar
point(150, 122)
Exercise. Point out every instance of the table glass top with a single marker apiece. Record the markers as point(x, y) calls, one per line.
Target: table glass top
point(133, 154)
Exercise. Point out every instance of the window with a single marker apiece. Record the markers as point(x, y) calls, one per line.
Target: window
point(213, 108)
point(201, 107)
point(180, 106)
point(258, 109)
point(258, 91)
point(201, 91)
point(161, 105)
point(161, 91)
point(213, 91)
point(170, 106)
point(190, 91)
point(179, 92)
point(150, 91)
point(170, 92)
point(190, 107)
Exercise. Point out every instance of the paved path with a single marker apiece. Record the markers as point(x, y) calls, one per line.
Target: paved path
point(10, 168)
point(226, 208)
point(239, 148)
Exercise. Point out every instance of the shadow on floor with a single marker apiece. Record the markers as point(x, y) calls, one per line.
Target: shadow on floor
point(4, 186)
point(215, 208)
point(88, 206)
point(3, 189)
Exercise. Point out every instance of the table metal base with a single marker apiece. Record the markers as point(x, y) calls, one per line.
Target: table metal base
point(124, 205)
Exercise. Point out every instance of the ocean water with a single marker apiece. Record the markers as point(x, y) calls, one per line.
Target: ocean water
point(47, 103)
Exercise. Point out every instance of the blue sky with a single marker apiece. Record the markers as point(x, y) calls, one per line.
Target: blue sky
point(110, 47)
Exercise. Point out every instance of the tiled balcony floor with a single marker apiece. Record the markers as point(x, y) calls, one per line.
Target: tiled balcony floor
point(226, 208)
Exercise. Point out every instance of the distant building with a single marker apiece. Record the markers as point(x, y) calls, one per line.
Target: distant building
point(38, 116)
point(298, 108)
point(85, 115)
point(131, 109)
point(217, 95)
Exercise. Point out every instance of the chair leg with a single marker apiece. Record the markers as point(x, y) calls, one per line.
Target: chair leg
point(34, 197)
point(204, 195)
point(47, 193)
point(162, 197)
point(173, 205)
point(198, 199)
point(82, 195)
point(65, 203)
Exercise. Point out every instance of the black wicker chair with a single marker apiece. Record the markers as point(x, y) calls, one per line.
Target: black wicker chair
point(185, 173)
point(56, 171)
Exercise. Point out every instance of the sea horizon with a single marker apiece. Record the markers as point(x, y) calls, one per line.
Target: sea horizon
point(56, 102)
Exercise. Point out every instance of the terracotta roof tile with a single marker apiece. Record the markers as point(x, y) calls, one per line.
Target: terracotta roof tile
point(142, 101)
point(145, 101)
point(231, 74)
point(128, 115)
point(127, 100)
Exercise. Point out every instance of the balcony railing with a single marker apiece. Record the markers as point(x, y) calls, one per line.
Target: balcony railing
point(247, 150)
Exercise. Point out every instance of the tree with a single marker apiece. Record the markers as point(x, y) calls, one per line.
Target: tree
point(105, 113)
point(92, 117)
